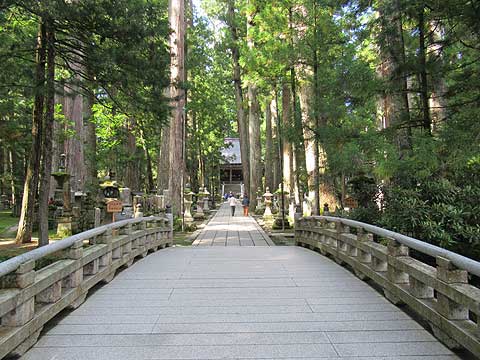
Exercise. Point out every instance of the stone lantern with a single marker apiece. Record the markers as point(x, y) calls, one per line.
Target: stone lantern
point(187, 200)
point(63, 183)
point(267, 215)
point(281, 221)
point(200, 215)
point(206, 201)
point(260, 205)
point(65, 223)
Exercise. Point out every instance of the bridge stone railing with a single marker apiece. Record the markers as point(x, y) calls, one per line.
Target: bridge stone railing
point(29, 298)
point(439, 294)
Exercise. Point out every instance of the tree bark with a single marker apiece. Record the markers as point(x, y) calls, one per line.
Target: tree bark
point(73, 147)
point(316, 120)
point(10, 167)
point(163, 168)
point(299, 145)
point(239, 100)
point(25, 225)
point(255, 145)
point(194, 155)
point(91, 175)
point(305, 95)
point(427, 123)
point(392, 53)
point(176, 12)
point(269, 148)
point(149, 184)
point(46, 152)
point(437, 101)
point(3, 170)
point(277, 176)
point(287, 146)
point(132, 169)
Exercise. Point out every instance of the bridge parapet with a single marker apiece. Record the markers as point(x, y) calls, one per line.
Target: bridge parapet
point(430, 280)
point(29, 298)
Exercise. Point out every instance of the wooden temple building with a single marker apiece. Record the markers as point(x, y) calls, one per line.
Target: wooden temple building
point(231, 174)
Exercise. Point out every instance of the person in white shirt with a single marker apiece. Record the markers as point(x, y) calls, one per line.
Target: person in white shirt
point(232, 202)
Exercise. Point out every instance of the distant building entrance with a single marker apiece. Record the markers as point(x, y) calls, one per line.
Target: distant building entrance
point(231, 173)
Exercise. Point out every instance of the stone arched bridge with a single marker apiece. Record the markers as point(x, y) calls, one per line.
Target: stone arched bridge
point(233, 295)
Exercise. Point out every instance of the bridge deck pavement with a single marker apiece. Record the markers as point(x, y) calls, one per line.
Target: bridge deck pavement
point(236, 303)
point(227, 230)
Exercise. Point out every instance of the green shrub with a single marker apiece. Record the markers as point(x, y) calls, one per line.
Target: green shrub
point(437, 211)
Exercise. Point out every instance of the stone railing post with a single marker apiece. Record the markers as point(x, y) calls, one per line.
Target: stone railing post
point(142, 225)
point(74, 252)
point(106, 239)
point(396, 250)
point(445, 305)
point(127, 231)
point(23, 277)
point(342, 229)
point(338, 243)
point(364, 257)
point(379, 264)
point(394, 275)
point(449, 274)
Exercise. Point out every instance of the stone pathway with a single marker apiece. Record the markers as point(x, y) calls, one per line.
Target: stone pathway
point(232, 302)
point(227, 230)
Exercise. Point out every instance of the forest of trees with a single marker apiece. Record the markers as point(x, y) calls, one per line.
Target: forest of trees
point(378, 101)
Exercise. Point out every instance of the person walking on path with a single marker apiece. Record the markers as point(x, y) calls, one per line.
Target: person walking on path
point(232, 202)
point(245, 204)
